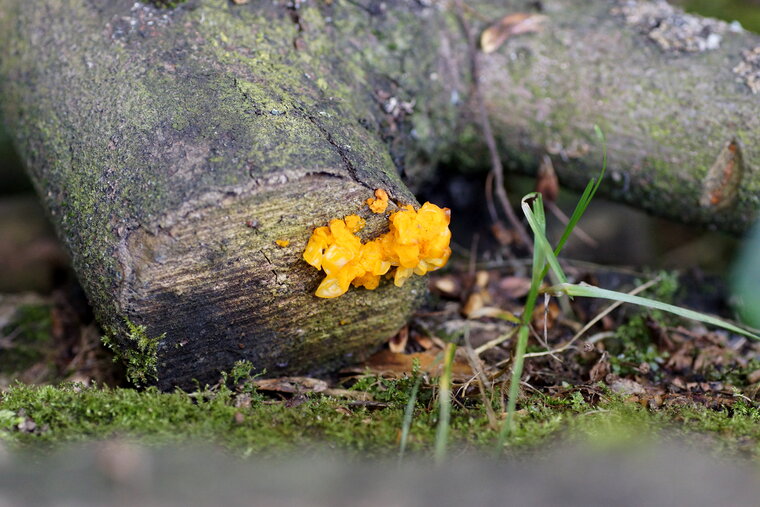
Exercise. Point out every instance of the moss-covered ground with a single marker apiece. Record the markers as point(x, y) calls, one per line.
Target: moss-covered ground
point(43, 417)
point(649, 378)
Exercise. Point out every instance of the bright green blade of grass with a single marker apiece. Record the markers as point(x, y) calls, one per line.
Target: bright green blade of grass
point(514, 385)
point(586, 197)
point(537, 276)
point(444, 402)
point(537, 222)
point(745, 279)
point(408, 414)
point(544, 257)
point(585, 290)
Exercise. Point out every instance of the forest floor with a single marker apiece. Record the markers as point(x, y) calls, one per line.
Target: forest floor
point(617, 404)
point(632, 374)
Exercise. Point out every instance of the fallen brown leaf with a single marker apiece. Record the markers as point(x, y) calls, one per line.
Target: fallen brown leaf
point(753, 377)
point(513, 24)
point(503, 235)
point(423, 341)
point(448, 286)
point(398, 342)
point(547, 183)
point(626, 386)
point(385, 362)
point(495, 312)
point(514, 287)
point(601, 369)
point(474, 303)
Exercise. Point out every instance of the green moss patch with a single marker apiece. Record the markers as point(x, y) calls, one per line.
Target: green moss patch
point(246, 422)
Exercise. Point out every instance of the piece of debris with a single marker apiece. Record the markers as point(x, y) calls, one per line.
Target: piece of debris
point(397, 343)
point(626, 386)
point(513, 24)
point(749, 69)
point(670, 28)
point(723, 180)
point(547, 183)
point(291, 385)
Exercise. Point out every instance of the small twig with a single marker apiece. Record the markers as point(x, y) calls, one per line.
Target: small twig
point(596, 319)
point(489, 199)
point(496, 341)
point(477, 367)
point(585, 328)
point(595, 338)
point(497, 169)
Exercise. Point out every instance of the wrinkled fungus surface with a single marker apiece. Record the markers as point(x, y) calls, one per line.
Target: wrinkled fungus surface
point(417, 242)
point(380, 203)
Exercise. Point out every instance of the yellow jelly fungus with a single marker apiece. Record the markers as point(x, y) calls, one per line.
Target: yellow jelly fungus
point(282, 243)
point(380, 203)
point(417, 242)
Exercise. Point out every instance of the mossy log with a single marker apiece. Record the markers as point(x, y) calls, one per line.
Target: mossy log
point(173, 147)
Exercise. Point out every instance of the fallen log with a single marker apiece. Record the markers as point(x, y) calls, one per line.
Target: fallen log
point(174, 147)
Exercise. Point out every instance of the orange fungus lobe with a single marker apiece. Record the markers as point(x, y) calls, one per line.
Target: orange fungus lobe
point(380, 203)
point(417, 242)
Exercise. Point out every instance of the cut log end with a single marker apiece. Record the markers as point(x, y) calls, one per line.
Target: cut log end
point(222, 289)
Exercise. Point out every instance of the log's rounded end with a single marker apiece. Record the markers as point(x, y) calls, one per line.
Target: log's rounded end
point(226, 282)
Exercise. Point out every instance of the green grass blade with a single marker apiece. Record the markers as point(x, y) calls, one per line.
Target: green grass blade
point(444, 402)
point(408, 414)
point(745, 279)
point(538, 227)
point(586, 197)
point(585, 290)
point(537, 276)
point(514, 385)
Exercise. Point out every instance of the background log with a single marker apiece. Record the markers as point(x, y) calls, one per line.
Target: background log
point(668, 109)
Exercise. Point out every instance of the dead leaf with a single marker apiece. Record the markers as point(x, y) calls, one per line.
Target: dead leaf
point(678, 383)
point(423, 341)
point(547, 183)
point(385, 362)
point(447, 286)
point(474, 303)
point(514, 287)
point(503, 235)
point(291, 385)
point(753, 377)
point(601, 369)
point(626, 386)
point(546, 313)
point(496, 313)
point(397, 344)
point(481, 279)
point(513, 24)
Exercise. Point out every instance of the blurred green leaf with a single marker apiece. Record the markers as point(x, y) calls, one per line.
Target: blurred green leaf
point(746, 280)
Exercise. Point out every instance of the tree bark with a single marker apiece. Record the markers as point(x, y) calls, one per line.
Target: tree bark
point(669, 115)
point(669, 110)
point(172, 148)
point(155, 135)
